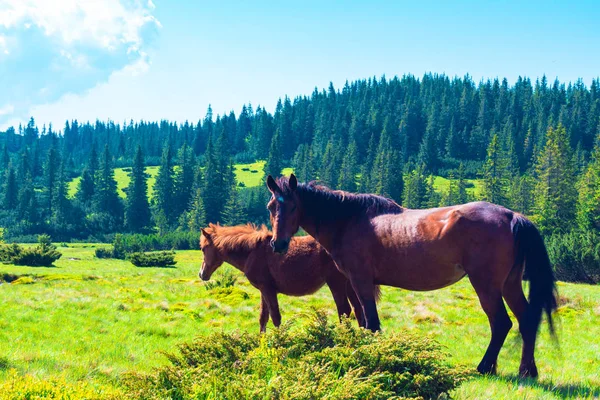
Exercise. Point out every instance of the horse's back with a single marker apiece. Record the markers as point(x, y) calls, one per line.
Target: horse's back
point(432, 248)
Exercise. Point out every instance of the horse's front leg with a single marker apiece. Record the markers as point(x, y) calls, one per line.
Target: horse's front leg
point(264, 313)
point(365, 291)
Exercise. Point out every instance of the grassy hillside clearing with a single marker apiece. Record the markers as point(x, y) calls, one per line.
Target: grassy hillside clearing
point(90, 321)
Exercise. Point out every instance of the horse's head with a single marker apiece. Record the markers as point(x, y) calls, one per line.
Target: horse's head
point(212, 258)
point(284, 210)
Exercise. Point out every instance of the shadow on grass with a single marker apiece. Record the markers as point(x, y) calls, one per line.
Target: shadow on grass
point(564, 391)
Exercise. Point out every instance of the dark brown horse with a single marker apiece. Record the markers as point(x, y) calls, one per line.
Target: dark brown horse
point(303, 270)
point(375, 241)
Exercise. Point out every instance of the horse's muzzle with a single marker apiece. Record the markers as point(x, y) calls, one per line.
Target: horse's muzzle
point(203, 275)
point(280, 246)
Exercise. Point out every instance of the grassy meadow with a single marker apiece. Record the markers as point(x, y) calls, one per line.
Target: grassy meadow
point(89, 321)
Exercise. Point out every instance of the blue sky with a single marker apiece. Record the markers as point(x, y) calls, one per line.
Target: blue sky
point(138, 59)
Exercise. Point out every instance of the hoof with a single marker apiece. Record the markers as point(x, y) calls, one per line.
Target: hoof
point(528, 371)
point(487, 368)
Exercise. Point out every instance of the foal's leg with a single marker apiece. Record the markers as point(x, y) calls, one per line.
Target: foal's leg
point(264, 313)
point(491, 301)
point(270, 296)
point(513, 294)
point(358, 310)
point(337, 285)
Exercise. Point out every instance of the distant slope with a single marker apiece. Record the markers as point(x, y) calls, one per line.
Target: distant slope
point(252, 175)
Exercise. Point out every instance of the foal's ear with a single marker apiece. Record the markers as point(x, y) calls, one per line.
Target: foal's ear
point(205, 233)
point(293, 182)
point(272, 185)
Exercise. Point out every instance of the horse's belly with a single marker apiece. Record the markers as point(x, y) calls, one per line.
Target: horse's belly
point(419, 272)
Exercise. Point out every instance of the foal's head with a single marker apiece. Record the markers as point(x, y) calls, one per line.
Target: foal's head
point(284, 210)
point(212, 257)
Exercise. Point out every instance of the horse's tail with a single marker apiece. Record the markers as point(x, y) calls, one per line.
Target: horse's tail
point(377, 293)
point(531, 250)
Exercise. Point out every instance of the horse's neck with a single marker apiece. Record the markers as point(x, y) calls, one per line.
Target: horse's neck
point(237, 255)
point(323, 232)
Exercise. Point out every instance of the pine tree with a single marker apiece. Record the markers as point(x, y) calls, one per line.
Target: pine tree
point(195, 218)
point(304, 163)
point(11, 190)
point(494, 172)
point(349, 169)
point(555, 193)
point(216, 182)
point(106, 198)
point(415, 187)
point(51, 167)
point(62, 212)
point(463, 196)
point(588, 205)
point(184, 180)
point(432, 197)
point(521, 194)
point(164, 191)
point(274, 163)
point(329, 170)
point(234, 212)
point(87, 184)
point(137, 208)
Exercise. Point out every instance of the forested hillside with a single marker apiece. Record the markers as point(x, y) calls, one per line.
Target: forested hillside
point(535, 145)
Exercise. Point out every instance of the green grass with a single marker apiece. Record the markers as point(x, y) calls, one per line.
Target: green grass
point(475, 186)
point(123, 179)
point(92, 320)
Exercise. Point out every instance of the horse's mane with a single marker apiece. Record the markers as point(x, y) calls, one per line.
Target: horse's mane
point(237, 237)
point(327, 204)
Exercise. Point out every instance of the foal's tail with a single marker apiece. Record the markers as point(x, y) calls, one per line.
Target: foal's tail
point(377, 293)
point(542, 288)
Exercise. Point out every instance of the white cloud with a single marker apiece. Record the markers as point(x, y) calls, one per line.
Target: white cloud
point(106, 23)
point(51, 48)
point(7, 109)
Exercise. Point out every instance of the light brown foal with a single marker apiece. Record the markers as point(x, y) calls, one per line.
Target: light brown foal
point(303, 270)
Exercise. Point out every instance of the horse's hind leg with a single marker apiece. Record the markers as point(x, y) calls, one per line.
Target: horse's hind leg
point(515, 298)
point(491, 301)
point(337, 285)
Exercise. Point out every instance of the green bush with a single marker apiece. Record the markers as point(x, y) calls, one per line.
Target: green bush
point(42, 255)
point(104, 252)
point(135, 243)
point(320, 360)
point(225, 279)
point(575, 256)
point(155, 259)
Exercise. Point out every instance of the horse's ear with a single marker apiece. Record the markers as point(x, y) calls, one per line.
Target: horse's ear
point(293, 182)
point(272, 185)
point(205, 233)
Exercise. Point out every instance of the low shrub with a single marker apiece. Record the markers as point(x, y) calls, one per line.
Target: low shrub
point(118, 250)
point(226, 278)
point(575, 256)
point(155, 259)
point(319, 360)
point(42, 255)
point(104, 252)
point(15, 386)
point(135, 243)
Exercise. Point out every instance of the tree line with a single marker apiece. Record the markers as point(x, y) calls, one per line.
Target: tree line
point(534, 145)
